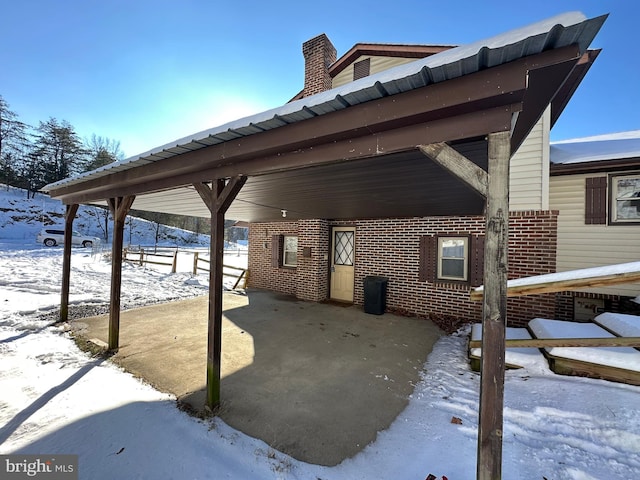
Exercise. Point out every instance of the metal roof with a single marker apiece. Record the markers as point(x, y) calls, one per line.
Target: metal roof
point(556, 32)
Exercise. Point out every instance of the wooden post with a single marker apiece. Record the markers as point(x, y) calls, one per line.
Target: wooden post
point(119, 209)
point(174, 264)
point(214, 348)
point(489, 466)
point(66, 261)
point(218, 198)
point(141, 260)
point(195, 262)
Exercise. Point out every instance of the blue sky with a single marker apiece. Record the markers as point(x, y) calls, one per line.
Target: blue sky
point(148, 72)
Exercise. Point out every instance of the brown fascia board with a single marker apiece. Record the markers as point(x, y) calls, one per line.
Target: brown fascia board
point(615, 165)
point(567, 90)
point(385, 50)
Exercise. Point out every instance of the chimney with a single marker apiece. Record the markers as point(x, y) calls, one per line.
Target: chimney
point(319, 53)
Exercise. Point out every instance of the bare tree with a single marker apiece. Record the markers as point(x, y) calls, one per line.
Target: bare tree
point(101, 151)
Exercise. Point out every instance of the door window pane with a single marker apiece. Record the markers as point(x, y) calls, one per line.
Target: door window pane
point(343, 248)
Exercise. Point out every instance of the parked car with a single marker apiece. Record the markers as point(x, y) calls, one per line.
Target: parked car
point(53, 236)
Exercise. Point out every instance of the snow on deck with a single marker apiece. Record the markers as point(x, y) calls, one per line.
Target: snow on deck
point(622, 324)
point(626, 358)
point(520, 357)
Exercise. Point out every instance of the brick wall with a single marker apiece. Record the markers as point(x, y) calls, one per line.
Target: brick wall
point(261, 272)
point(319, 53)
point(612, 303)
point(390, 248)
point(313, 276)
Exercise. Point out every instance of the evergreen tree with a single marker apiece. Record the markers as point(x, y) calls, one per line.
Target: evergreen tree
point(58, 151)
point(13, 143)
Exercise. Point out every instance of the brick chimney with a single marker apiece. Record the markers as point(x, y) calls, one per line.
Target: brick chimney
point(319, 53)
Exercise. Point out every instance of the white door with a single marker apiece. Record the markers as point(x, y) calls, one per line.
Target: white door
point(343, 241)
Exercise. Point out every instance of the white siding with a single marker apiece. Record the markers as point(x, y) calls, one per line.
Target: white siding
point(529, 174)
point(582, 246)
point(378, 64)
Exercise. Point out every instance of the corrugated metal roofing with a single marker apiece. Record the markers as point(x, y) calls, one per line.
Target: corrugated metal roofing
point(556, 32)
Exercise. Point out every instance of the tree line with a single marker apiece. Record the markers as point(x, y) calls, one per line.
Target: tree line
point(34, 156)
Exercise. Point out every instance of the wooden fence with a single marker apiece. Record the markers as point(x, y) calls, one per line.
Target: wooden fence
point(155, 257)
point(169, 257)
point(244, 273)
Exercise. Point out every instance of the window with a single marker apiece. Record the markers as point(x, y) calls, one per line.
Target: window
point(449, 258)
point(290, 251)
point(625, 199)
point(453, 258)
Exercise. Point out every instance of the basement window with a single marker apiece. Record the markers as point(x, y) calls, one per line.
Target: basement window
point(625, 199)
point(290, 251)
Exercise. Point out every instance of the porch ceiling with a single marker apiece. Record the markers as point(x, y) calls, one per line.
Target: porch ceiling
point(403, 184)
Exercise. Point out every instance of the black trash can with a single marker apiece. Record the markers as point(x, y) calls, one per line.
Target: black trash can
point(375, 294)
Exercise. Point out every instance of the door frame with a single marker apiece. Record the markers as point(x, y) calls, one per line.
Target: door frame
point(330, 259)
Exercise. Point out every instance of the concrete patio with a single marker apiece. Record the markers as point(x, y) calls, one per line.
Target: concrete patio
point(315, 381)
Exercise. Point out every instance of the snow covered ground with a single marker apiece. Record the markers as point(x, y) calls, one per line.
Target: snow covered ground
point(56, 399)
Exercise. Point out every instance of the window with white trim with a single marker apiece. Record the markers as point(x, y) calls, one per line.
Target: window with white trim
point(290, 251)
point(453, 258)
point(625, 198)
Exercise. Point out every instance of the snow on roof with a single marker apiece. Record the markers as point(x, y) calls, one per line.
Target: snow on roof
point(615, 146)
point(555, 32)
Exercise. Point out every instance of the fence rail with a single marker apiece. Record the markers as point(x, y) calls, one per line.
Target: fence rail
point(242, 275)
point(169, 257)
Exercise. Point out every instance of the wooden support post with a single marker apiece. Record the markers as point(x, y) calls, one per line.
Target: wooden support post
point(195, 263)
point(489, 466)
point(218, 198)
point(119, 209)
point(463, 168)
point(66, 261)
point(214, 348)
point(174, 263)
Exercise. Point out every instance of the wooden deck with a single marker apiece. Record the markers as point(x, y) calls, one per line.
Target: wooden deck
point(608, 348)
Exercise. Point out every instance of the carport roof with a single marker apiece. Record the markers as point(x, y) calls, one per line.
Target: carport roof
point(566, 30)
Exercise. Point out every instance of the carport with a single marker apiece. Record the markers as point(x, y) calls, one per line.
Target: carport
point(432, 137)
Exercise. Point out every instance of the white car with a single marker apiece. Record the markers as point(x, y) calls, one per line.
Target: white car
point(53, 236)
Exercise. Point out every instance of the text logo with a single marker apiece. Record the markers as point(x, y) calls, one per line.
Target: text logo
point(49, 467)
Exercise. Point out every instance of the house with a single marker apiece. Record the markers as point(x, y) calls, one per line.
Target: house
point(430, 262)
point(395, 174)
point(595, 186)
